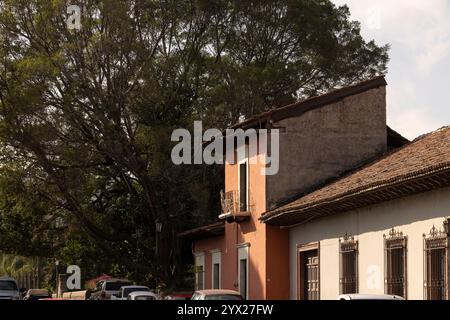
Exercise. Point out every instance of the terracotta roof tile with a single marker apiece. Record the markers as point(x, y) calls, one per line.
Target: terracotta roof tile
point(424, 156)
point(211, 230)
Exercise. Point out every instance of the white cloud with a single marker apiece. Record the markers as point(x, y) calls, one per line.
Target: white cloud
point(423, 27)
point(427, 59)
point(373, 17)
point(405, 114)
point(419, 70)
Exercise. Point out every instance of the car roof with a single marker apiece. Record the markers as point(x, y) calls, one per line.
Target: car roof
point(6, 278)
point(358, 296)
point(115, 280)
point(37, 292)
point(143, 293)
point(131, 286)
point(210, 292)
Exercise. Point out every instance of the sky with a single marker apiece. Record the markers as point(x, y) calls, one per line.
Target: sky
point(419, 70)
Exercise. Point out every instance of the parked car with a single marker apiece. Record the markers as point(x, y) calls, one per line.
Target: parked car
point(126, 290)
point(37, 294)
point(142, 295)
point(171, 297)
point(216, 295)
point(179, 296)
point(358, 296)
point(9, 289)
point(105, 289)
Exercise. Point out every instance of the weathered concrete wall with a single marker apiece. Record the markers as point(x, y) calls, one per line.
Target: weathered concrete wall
point(414, 216)
point(325, 142)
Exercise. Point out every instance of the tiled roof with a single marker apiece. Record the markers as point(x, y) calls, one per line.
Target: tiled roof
point(211, 230)
point(421, 165)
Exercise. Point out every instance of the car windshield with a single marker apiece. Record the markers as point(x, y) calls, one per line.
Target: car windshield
point(127, 291)
point(144, 298)
point(8, 285)
point(223, 297)
point(115, 286)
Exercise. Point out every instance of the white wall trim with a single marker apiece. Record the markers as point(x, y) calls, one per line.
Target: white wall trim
point(199, 262)
point(243, 253)
point(243, 245)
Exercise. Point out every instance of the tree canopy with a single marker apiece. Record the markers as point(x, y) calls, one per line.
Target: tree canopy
point(86, 115)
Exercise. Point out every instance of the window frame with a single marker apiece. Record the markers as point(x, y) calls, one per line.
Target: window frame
point(247, 179)
point(302, 249)
point(243, 254)
point(199, 262)
point(216, 258)
point(435, 240)
point(348, 244)
point(395, 240)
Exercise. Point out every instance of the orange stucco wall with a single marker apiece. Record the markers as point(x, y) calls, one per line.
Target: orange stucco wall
point(268, 268)
point(277, 263)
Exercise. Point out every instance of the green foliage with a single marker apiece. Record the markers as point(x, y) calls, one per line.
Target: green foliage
point(13, 266)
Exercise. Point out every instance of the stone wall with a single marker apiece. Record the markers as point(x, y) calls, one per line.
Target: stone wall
point(325, 142)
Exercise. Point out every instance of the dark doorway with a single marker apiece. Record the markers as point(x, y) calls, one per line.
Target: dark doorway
point(308, 274)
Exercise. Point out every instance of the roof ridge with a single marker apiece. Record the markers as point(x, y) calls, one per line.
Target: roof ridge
point(313, 102)
point(424, 135)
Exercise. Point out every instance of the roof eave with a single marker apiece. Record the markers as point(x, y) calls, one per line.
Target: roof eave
point(435, 179)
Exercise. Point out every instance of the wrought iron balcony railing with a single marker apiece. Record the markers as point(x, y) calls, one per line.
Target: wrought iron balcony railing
point(234, 210)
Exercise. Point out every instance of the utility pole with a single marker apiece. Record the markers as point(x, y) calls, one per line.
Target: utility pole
point(56, 277)
point(38, 271)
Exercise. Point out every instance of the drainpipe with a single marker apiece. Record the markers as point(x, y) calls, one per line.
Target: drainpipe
point(236, 283)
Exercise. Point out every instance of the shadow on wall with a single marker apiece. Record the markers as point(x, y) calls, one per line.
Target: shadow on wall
point(380, 217)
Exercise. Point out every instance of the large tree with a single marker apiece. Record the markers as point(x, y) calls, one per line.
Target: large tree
point(91, 110)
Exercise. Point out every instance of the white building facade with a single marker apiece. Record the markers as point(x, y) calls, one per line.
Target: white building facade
point(383, 228)
point(412, 218)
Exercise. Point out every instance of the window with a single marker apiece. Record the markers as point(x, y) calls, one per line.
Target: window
point(243, 270)
point(200, 277)
point(116, 285)
point(348, 280)
point(395, 263)
point(308, 272)
point(436, 266)
point(216, 276)
point(243, 277)
point(243, 186)
point(143, 298)
point(243, 182)
point(200, 271)
point(8, 285)
point(127, 291)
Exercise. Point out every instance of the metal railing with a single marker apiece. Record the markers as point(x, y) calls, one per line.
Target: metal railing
point(232, 206)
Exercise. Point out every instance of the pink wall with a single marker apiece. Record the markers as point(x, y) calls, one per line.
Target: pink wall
point(268, 246)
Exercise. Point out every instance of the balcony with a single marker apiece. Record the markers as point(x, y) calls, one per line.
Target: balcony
point(233, 210)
